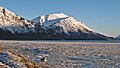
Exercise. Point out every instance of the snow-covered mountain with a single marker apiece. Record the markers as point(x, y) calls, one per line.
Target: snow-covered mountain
point(13, 23)
point(60, 20)
point(61, 26)
point(52, 26)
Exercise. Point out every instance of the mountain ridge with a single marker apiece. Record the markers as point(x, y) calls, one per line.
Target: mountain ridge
point(51, 26)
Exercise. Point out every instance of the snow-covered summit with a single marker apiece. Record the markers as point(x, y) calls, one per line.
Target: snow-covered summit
point(12, 22)
point(50, 18)
point(8, 18)
point(6, 11)
point(55, 16)
point(62, 19)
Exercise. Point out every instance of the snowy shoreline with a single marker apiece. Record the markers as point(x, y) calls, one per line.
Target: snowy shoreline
point(67, 54)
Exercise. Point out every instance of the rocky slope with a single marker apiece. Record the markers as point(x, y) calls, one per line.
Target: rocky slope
point(52, 26)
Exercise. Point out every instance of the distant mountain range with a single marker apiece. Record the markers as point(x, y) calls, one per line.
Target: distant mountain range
point(52, 26)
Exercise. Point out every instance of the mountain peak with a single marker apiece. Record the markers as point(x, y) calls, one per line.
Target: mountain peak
point(1, 7)
point(55, 16)
point(60, 15)
point(6, 11)
point(61, 20)
point(12, 22)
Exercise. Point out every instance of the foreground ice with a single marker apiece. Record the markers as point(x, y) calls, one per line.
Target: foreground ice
point(64, 54)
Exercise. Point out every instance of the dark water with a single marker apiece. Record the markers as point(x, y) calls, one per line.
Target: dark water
point(86, 41)
point(94, 41)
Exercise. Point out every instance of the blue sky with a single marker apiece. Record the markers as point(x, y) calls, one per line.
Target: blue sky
point(100, 15)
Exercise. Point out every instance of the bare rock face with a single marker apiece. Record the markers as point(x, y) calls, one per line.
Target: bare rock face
point(52, 26)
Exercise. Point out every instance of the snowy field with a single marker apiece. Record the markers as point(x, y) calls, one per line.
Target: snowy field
point(60, 54)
